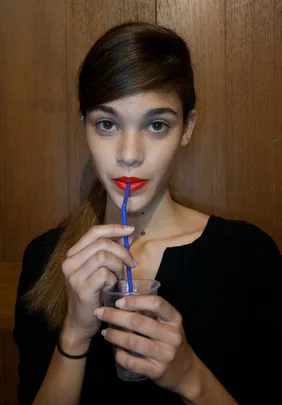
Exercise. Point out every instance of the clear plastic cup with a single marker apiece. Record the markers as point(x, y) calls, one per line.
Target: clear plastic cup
point(109, 297)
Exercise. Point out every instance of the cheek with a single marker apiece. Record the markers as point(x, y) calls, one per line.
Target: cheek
point(163, 158)
point(101, 155)
point(102, 163)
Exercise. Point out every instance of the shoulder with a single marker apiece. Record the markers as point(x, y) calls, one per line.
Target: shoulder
point(242, 245)
point(216, 230)
point(241, 233)
point(45, 242)
point(36, 256)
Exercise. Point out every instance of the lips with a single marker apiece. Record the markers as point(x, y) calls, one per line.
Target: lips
point(125, 179)
point(136, 183)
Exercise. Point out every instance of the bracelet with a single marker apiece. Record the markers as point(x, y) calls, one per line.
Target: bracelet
point(69, 356)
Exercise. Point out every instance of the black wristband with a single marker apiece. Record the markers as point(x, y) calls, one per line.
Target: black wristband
point(69, 356)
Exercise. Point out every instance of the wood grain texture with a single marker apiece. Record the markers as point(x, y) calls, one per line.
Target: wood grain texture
point(200, 174)
point(8, 369)
point(232, 166)
point(254, 119)
point(86, 22)
point(33, 143)
point(9, 278)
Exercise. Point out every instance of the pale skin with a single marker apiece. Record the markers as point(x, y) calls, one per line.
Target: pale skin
point(135, 148)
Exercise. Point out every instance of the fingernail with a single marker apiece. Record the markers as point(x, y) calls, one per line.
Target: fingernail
point(129, 228)
point(104, 332)
point(121, 303)
point(135, 262)
point(99, 312)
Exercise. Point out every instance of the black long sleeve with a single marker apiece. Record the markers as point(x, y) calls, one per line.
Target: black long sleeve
point(226, 287)
point(35, 341)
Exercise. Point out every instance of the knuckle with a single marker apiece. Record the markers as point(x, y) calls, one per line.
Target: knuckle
point(78, 288)
point(103, 244)
point(152, 345)
point(130, 363)
point(102, 256)
point(94, 228)
point(102, 274)
point(132, 342)
point(69, 252)
point(178, 319)
point(158, 350)
point(178, 340)
point(80, 291)
point(160, 368)
point(170, 355)
point(73, 282)
point(66, 266)
point(157, 303)
point(135, 321)
point(119, 357)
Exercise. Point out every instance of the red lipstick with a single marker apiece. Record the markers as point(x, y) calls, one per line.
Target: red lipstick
point(136, 183)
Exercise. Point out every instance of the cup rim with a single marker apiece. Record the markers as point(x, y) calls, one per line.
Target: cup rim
point(106, 288)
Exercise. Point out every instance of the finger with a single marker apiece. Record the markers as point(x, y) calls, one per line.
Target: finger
point(120, 241)
point(144, 325)
point(103, 277)
point(141, 345)
point(153, 303)
point(149, 368)
point(76, 261)
point(99, 260)
point(96, 232)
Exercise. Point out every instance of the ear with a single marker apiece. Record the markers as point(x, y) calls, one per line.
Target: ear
point(188, 129)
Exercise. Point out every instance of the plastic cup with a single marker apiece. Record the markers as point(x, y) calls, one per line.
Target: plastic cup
point(113, 293)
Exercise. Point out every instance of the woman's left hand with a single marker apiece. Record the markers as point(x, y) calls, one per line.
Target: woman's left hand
point(167, 355)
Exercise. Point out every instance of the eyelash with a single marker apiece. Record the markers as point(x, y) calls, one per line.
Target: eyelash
point(154, 132)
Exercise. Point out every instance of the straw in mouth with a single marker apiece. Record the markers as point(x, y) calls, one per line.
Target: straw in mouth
point(126, 241)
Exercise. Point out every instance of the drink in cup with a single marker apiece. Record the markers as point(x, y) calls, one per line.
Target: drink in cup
point(110, 294)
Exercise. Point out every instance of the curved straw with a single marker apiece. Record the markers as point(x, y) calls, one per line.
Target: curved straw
point(126, 241)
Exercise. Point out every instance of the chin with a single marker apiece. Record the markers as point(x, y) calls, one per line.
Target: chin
point(135, 204)
point(135, 207)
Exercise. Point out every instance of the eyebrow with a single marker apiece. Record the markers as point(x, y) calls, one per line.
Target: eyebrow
point(150, 113)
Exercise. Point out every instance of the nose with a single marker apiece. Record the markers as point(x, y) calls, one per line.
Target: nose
point(130, 153)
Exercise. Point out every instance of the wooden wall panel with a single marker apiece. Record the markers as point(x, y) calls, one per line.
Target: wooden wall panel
point(86, 22)
point(33, 143)
point(9, 278)
point(42, 147)
point(254, 119)
point(201, 169)
point(232, 167)
point(8, 369)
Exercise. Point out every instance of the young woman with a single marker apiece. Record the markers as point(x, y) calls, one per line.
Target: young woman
point(215, 337)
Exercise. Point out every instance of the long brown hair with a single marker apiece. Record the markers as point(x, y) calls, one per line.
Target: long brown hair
point(129, 58)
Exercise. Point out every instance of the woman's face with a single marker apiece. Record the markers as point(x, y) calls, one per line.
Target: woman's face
point(137, 136)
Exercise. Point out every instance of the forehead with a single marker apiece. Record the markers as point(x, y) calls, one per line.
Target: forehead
point(146, 100)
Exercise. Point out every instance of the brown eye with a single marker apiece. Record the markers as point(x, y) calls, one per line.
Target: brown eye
point(158, 127)
point(106, 125)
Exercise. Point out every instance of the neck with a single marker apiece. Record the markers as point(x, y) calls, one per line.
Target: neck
point(157, 220)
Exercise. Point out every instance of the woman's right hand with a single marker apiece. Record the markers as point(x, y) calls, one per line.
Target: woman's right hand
point(92, 263)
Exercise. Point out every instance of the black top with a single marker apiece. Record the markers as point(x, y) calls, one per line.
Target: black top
point(224, 284)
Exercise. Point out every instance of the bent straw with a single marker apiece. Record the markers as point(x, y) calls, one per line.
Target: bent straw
point(126, 241)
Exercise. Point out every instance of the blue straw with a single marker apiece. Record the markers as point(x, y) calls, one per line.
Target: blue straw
point(126, 241)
